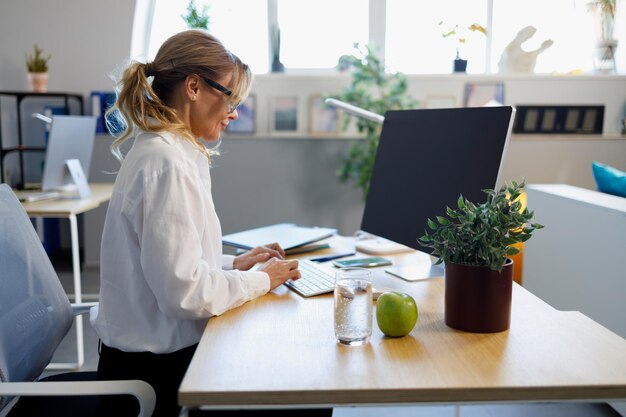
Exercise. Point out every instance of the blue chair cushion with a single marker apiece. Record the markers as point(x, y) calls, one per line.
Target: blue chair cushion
point(608, 179)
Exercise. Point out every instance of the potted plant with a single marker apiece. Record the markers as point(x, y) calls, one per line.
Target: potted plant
point(37, 66)
point(475, 241)
point(460, 64)
point(373, 89)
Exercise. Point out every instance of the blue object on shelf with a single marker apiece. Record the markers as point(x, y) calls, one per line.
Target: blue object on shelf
point(100, 103)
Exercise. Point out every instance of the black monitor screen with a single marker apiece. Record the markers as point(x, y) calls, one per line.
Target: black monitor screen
point(425, 159)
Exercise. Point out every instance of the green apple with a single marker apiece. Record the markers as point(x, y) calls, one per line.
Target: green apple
point(396, 313)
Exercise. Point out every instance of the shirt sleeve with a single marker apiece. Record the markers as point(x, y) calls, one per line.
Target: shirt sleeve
point(170, 227)
point(228, 261)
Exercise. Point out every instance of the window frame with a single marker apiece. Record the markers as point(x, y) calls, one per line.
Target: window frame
point(144, 15)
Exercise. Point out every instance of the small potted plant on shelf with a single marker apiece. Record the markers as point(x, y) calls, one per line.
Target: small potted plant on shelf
point(475, 241)
point(37, 66)
point(459, 33)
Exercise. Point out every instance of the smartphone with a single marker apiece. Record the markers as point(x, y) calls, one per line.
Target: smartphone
point(362, 262)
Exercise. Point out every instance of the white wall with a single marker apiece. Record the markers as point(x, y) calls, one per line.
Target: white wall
point(87, 39)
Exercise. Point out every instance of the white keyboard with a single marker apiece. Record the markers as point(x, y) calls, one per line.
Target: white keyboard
point(314, 280)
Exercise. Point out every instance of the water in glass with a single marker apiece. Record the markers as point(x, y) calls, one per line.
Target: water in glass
point(353, 306)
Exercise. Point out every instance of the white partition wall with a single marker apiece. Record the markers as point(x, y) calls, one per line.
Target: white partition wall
point(577, 261)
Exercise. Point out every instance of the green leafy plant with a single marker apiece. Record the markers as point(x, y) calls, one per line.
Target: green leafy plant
point(375, 90)
point(37, 62)
point(196, 19)
point(482, 234)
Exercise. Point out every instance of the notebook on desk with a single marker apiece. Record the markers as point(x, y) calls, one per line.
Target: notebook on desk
point(29, 196)
point(287, 235)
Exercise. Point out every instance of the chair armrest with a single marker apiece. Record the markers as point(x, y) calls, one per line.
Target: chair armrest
point(82, 308)
point(139, 389)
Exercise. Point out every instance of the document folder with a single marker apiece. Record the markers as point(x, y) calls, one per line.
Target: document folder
point(287, 235)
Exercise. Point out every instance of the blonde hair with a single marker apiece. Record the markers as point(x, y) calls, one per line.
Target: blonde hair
point(142, 104)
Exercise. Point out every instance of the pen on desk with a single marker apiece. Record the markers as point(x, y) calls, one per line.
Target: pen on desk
point(331, 257)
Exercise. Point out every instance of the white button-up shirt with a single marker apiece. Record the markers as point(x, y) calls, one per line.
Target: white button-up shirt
point(162, 270)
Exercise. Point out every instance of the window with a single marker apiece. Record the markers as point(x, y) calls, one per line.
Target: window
point(414, 41)
point(240, 24)
point(314, 34)
point(566, 22)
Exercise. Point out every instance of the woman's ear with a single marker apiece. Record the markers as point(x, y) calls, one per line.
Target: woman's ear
point(192, 86)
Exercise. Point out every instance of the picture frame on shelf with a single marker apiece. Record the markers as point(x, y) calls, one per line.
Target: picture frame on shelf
point(323, 119)
point(246, 122)
point(483, 94)
point(284, 114)
point(440, 101)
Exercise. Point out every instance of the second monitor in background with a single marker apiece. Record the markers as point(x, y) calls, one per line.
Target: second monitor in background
point(67, 160)
point(71, 137)
point(425, 160)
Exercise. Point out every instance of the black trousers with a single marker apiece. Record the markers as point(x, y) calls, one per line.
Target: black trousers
point(164, 372)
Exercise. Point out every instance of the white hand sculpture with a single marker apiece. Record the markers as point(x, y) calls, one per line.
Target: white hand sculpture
point(515, 60)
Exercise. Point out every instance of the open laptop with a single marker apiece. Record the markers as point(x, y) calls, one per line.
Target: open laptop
point(71, 137)
point(425, 160)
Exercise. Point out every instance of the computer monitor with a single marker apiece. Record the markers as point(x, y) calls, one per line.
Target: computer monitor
point(71, 137)
point(425, 160)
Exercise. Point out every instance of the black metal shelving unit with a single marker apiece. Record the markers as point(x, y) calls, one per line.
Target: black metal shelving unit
point(20, 96)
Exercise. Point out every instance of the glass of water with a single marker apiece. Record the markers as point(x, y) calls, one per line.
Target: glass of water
point(353, 306)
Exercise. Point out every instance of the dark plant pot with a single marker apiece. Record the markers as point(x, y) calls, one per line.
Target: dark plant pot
point(460, 65)
point(478, 299)
point(277, 66)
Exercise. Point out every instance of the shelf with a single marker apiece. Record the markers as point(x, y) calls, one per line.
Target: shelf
point(23, 94)
point(22, 148)
point(20, 96)
point(543, 137)
point(289, 136)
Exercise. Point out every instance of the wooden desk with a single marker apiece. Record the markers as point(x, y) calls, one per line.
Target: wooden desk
point(69, 209)
point(100, 193)
point(280, 351)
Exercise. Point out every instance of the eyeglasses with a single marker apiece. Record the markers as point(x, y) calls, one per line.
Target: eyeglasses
point(219, 87)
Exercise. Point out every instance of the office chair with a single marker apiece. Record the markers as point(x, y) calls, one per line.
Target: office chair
point(35, 316)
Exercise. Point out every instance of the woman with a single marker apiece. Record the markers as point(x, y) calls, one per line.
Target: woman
point(162, 270)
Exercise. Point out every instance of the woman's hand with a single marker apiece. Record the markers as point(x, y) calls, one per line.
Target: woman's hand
point(275, 246)
point(247, 260)
point(280, 271)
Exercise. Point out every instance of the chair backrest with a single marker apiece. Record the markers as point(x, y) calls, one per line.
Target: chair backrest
point(35, 313)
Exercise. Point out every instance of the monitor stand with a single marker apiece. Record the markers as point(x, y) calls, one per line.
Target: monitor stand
point(79, 188)
point(416, 272)
point(376, 245)
point(421, 268)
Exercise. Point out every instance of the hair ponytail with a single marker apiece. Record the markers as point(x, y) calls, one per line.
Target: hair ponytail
point(139, 107)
